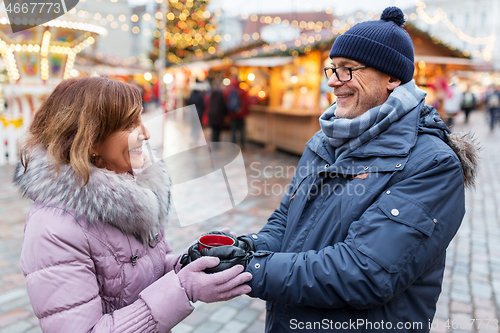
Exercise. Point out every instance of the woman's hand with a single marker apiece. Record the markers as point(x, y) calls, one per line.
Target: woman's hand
point(229, 232)
point(216, 287)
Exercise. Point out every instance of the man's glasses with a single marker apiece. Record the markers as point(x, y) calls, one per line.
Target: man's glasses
point(343, 74)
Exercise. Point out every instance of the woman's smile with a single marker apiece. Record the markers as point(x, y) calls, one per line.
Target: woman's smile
point(137, 150)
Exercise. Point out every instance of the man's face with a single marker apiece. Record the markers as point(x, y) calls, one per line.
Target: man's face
point(367, 89)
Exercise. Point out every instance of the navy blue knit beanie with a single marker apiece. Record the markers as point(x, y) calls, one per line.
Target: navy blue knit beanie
point(383, 45)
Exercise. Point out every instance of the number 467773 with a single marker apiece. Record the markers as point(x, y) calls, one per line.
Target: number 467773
point(470, 323)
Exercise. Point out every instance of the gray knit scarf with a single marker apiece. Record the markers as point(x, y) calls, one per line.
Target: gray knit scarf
point(347, 135)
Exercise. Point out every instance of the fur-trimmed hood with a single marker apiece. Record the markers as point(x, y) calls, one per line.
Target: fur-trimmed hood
point(463, 144)
point(467, 150)
point(137, 206)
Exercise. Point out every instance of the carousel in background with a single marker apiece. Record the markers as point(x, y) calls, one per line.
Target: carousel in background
point(34, 62)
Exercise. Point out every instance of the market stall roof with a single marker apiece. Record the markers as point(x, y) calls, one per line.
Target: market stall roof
point(424, 45)
point(259, 53)
point(445, 60)
point(205, 65)
point(107, 70)
point(264, 62)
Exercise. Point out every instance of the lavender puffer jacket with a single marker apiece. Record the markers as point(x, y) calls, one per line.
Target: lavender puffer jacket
point(85, 270)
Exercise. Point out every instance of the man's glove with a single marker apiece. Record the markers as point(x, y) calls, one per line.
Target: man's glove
point(230, 255)
point(246, 243)
point(192, 254)
point(193, 251)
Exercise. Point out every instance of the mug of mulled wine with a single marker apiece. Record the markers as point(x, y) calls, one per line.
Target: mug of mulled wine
point(211, 240)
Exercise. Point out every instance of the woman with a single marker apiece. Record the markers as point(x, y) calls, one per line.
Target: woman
point(94, 253)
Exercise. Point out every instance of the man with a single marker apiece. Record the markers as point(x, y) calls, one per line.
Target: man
point(358, 242)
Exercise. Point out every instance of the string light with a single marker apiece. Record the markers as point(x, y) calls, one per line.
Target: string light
point(7, 48)
point(69, 64)
point(336, 26)
point(441, 16)
point(113, 22)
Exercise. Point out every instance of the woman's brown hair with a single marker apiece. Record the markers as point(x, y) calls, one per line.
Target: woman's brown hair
point(78, 116)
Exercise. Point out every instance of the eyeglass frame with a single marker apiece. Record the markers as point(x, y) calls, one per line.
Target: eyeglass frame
point(334, 69)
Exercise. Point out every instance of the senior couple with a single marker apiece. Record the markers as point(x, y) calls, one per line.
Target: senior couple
point(95, 255)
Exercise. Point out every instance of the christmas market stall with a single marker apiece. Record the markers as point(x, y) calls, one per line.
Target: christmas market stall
point(36, 60)
point(287, 82)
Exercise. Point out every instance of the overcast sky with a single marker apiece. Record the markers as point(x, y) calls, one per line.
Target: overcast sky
point(285, 6)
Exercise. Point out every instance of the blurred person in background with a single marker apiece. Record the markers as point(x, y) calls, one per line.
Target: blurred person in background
point(452, 103)
point(217, 110)
point(147, 96)
point(197, 98)
point(238, 109)
point(468, 103)
point(156, 94)
point(493, 106)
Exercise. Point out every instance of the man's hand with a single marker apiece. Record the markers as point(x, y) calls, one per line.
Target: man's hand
point(246, 243)
point(230, 255)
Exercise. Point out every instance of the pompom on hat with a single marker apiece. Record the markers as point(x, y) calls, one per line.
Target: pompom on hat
point(383, 45)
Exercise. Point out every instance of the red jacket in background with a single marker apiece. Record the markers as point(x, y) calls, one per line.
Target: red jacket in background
point(242, 94)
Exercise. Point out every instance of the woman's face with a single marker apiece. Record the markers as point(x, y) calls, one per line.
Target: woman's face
point(122, 150)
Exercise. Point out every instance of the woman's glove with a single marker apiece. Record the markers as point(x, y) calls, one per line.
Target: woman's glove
point(208, 288)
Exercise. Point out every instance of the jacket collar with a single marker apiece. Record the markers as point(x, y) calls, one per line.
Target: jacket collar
point(396, 140)
point(387, 152)
point(137, 206)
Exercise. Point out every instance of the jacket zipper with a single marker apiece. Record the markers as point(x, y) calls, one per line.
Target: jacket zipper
point(298, 186)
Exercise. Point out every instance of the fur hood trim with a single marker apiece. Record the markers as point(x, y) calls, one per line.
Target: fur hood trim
point(137, 206)
point(467, 150)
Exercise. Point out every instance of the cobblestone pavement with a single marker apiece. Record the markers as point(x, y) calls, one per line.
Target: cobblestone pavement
point(471, 287)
